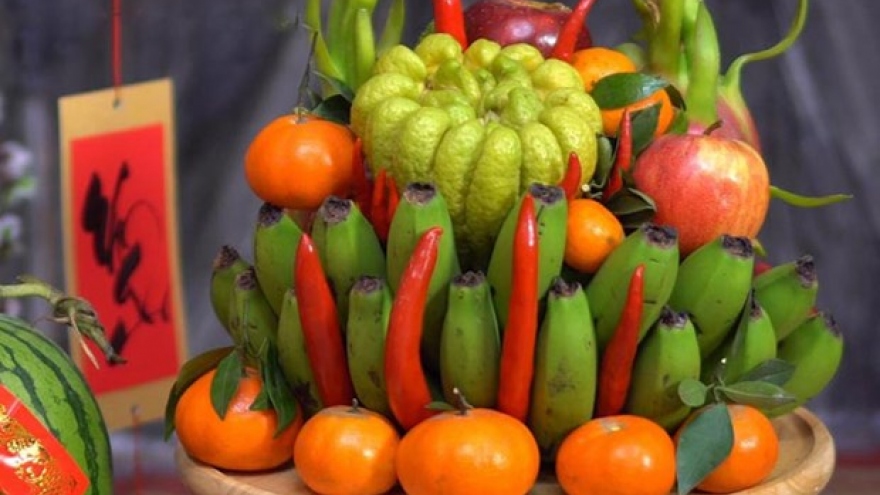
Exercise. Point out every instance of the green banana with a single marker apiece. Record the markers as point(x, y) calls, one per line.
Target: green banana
point(470, 345)
point(422, 207)
point(348, 247)
point(753, 343)
point(292, 356)
point(788, 292)
point(551, 212)
point(712, 285)
point(654, 246)
point(668, 354)
point(226, 266)
point(276, 236)
point(252, 320)
point(566, 366)
point(815, 348)
point(369, 310)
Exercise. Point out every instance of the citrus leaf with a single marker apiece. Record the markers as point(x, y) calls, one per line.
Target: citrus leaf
point(261, 401)
point(692, 392)
point(632, 207)
point(191, 371)
point(807, 201)
point(604, 162)
point(225, 383)
point(644, 123)
point(335, 108)
point(704, 444)
point(762, 395)
point(280, 395)
point(620, 90)
point(775, 371)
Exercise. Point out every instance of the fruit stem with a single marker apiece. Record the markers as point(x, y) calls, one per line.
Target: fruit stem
point(462, 404)
point(704, 61)
point(72, 311)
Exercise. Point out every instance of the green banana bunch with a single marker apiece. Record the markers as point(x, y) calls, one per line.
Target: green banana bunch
point(566, 366)
point(470, 345)
point(654, 246)
point(292, 356)
point(668, 354)
point(275, 238)
point(788, 292)
point(712, 285)
point(346, 51)
point(252, 319)
point(753, 343)
point(422, 207)
point(226, 266)
point(348, 247)
point(815, 348)
point(551, 212)
point(369, 310)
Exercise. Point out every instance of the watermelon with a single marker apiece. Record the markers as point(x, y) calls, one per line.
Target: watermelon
point(44, 378)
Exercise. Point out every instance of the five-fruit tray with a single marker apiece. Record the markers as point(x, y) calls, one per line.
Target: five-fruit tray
point(805, 465)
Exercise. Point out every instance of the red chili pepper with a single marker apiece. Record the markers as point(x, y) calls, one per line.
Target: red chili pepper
point(361, 188)
point(393, 198)
point(623, 160)
point(405, 381)
point(518, 346)
point(379, 208)
point(571, 182)
point(571, 31)
point(320, 325)
point(449, 19)
point(615, 372)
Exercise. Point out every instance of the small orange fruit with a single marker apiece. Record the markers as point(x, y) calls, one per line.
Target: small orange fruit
point(244, 440)
point(297, 160)
point(468, 452)
point(611, 117)
point(347, 450)
point(617, 455)
point(591, 234)
point(596, 62)
point(754, 454)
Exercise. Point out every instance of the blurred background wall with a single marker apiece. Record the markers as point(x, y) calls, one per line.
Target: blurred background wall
point(236, 64)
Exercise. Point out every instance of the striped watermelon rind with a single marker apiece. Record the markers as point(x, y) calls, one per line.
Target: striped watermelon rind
point(42, 375)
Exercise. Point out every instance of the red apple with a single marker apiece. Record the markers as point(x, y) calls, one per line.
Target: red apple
point(520, 21)
point(704, 186)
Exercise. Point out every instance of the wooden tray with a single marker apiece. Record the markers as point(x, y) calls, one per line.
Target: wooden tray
point(805, 465)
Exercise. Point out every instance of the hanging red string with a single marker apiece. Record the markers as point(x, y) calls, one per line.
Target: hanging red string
point(116, 46)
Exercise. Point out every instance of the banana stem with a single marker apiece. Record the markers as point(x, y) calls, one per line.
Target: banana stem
point(364, 47)
point(324, 63)
point(69, 310)
point(704, 61)
point(664, 47)
point(731, 80)
point(392, 33)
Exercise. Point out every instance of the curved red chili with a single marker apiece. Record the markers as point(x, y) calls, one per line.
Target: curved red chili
point(571, 31)
point(518, 345)
point(615, 372)
point(379, 207)
point(571, 182)
point(449, 19)
point(623, 159)
point(320, 326)
point(405, 381)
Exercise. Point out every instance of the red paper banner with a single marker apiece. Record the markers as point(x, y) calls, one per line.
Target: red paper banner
point(121, 260)
point(32, 460)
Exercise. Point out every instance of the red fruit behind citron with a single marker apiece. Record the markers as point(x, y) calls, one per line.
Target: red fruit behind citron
point(704, 186)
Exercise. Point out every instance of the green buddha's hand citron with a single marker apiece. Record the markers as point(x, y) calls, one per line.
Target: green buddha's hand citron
point(482, 124)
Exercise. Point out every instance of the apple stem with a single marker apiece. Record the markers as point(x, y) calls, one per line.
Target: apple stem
point(704, 61)
point(571, 31)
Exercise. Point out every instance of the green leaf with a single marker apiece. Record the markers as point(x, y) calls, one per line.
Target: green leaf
point(762, 395)
point(604, 162)
point(261, 401)
point(775, 371)
point(336, 108)
point(807, 201)
point(620, 90)
point(225, 383)
point(692, 392)
point(644, 123)
point(632, 207)
point(280, 395)
point(704, 444)
point(191, 371)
